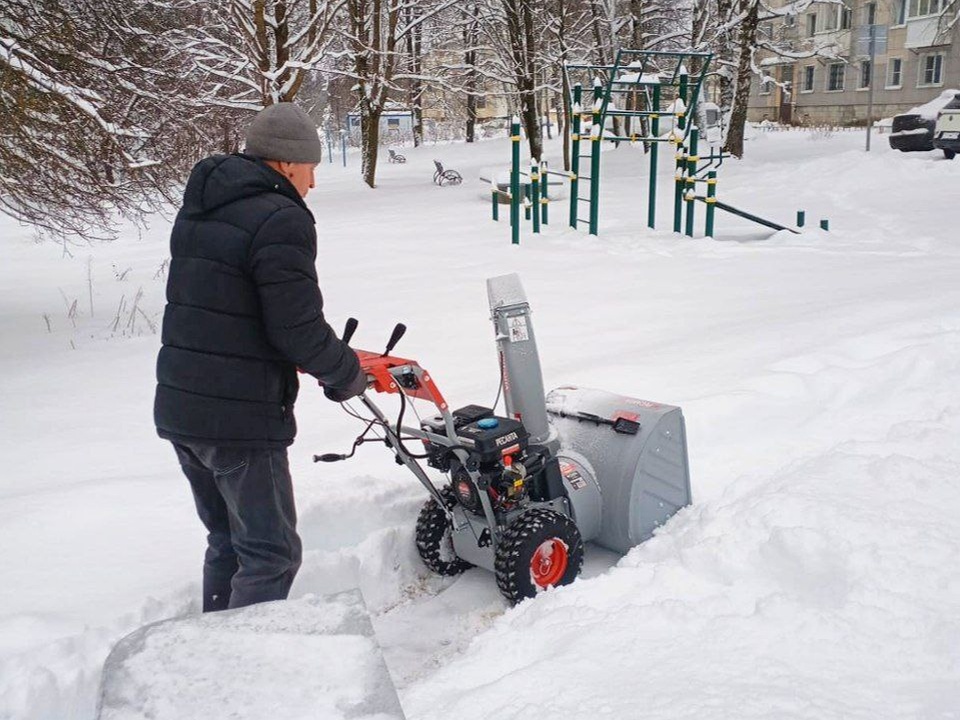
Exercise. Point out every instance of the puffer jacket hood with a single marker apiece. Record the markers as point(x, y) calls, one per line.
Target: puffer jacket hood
point(222, 179)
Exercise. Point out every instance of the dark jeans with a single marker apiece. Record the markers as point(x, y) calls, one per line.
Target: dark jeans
point(244, 497)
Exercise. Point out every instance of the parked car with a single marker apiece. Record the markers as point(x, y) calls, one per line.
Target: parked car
point(914, 130)
point(946, 134)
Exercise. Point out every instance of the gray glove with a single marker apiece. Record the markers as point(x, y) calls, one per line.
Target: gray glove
point(356, 387)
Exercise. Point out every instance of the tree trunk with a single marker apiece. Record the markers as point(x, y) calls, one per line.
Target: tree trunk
point(741, 96)
point(370, 142)
point(530, 119)
point(414, 45)
point(530, 113)
point(724, 61)
point(470, 37)
point(519, 19)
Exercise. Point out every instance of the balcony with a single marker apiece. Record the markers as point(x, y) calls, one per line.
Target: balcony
point(923, 32)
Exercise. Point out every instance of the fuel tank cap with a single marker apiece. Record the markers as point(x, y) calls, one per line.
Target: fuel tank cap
point(488, 423)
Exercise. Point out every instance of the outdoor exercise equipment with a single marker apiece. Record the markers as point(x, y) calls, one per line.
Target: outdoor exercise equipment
point(659, 91)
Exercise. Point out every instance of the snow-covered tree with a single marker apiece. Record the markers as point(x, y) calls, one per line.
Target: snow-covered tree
point(93, 121)
point(376, 36)
point(253, 53)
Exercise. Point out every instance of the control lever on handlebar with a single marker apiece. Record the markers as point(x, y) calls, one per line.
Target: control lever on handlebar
point(395, 336)
point(349, 329)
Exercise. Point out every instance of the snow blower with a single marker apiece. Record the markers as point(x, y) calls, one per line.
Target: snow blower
point(524, 491)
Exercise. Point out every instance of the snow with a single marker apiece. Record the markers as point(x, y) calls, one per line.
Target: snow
point(929, 110)
point(308, 658)
point(814, 576)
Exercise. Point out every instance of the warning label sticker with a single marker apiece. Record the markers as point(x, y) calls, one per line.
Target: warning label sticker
point(517, 327)
point(573, 476)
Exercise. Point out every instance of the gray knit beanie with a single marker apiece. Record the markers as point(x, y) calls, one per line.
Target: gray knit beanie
point(284, 132)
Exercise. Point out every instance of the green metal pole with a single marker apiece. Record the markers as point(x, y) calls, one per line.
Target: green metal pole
point(711, 200)
point(515, 181)
point(544, 199)
point(801, 218)
point(684, 88)
point(678, 184)
point(496, 203)
point(535, 194)
point(825, 225)
point(596, 133)
point(575, 151)
point(654, 150)
point(680, 124)
point(691, 189)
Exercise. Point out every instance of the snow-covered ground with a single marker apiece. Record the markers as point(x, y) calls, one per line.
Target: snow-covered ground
point(815, 576)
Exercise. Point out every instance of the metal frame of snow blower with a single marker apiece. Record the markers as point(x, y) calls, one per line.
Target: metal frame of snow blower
point(405, 377)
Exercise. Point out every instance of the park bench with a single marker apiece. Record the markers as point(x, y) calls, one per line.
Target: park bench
point(446, 177)
point(396, 157)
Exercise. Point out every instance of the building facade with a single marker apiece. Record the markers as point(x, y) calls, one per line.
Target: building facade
point(919, 60)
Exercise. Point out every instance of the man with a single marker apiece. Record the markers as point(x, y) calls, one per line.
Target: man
point(244, 312)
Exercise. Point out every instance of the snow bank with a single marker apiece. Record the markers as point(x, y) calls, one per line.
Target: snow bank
point(310, 659)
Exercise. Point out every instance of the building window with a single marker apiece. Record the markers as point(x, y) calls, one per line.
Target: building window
point(922, 8)
point(830, 18)
point(393, 122)
point(811, 24)
point(866, 73)
point(807, 79)
point(790, 20)
point(766, 87)
point(894, 73)
point(931, 70)
point(835, 77)
point(871, 13)
point(900, 12)
point(846, 18)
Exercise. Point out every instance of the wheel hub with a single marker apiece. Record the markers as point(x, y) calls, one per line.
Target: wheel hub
point(549, 562)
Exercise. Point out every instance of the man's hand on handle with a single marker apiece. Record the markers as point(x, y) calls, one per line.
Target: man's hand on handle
point(356, 387)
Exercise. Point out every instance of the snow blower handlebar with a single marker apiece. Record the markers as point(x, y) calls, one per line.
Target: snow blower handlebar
point(395, 375)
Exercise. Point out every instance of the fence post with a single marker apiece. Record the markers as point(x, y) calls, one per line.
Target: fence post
point(801, 218)
point(496, 201)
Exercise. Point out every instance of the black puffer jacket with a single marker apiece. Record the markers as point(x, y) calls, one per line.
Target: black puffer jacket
point(244, 310)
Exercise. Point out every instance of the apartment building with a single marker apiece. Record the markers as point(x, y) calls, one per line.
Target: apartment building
point(920, 60)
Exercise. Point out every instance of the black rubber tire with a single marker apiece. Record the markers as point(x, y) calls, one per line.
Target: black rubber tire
point(434, 543)
point(949, 154)
point(519, 543)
